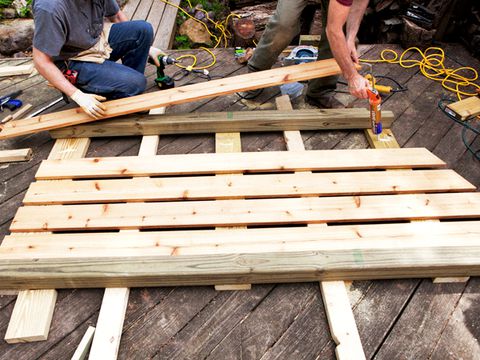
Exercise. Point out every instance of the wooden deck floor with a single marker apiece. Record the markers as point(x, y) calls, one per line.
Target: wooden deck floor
point(400, 319)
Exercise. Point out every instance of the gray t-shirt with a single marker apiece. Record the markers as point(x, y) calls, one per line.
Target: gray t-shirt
point(64, 28)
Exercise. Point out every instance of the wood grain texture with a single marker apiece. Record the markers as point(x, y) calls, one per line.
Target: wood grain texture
point(295, 266)
point(106, 341)
point(342, 323)
point(175, 96)
point(247, 212)
point(15, 155)
point(236, 121)
point(466, 108)
point(22, 327)
point(194, 242)
point(33, 303)
point(238, 186)
point(321, 160)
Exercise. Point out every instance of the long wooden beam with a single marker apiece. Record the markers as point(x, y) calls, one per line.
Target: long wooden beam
point(292, 266)
point(175, 96)
point(238, 186)
point(203, 214)
point(240, 121)
point(321, 160)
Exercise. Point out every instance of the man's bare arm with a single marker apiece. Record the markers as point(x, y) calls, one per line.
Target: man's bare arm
point(118, 17)
point(337, 17)
point(357, 10)
point(45, 66)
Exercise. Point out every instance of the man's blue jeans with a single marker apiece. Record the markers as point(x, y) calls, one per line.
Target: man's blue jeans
point(130, 42)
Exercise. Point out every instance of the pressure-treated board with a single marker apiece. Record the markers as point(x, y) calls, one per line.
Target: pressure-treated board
point(15, 155)
point(431, 255)
point(318, 160)
point(238, 186)
point(175, 96)
point(33, 311)
point(19, 328)
point(242, 121)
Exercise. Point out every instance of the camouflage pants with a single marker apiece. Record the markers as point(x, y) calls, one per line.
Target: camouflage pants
point(283, 26)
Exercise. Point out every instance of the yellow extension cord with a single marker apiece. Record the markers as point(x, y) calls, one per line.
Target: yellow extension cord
point(432, 67)
point(219, 25)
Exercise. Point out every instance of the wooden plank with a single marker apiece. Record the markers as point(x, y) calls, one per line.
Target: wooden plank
point(34, 303)
point(18, 114)
point(341, 321)
point(15, 155)
point(115, 300)
point(195, 242)
point(106, 341)
point(130, 8)
point(236, 186)
point(466, 108)
point(295, 266)
point(84, 347)
point(237, 121)
point(388, 141)
point(175, 96)
point(334, 293)
point(315, 160)
point(165, 31)
point(20, 329)
point(247, 212)
point(16, 70)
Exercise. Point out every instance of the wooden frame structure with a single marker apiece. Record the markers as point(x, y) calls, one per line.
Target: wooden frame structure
point(411, 230)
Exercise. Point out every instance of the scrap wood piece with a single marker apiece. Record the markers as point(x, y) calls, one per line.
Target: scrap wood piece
point(394, 236)
point(25, 108)
point(31, 304)
point(237, 186)
point(466, 108)
point(270, 267)
point(83, 348)
point(334, 293)
point(320, 160)
point(106, 341)
point(40, 302)
point(220, 122)
point(16, 70)
point(15, 155)
point(342, 323)
point(175, 96)
point(306, 210)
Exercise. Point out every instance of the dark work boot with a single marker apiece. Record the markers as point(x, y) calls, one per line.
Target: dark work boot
point(326, 101)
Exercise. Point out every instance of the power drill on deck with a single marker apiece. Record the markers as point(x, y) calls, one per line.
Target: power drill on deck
point(164, 81)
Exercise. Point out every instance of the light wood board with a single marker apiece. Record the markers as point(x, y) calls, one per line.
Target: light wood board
point(84, 347)
point(15, 155)
point(16, 70)
point(274, 161)
point(220, 122)
point(466, 108)
point(175, 96)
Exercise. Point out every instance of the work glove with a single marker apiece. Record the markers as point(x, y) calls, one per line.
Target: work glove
point(154, 53)
point(90, 103)
point(358, 85)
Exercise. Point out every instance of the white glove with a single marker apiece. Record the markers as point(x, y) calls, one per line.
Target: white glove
point(154, 53)
point(90, 103)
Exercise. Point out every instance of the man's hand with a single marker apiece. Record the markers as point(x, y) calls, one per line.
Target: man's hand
point(358, 85)
point(90, 103)
point(154, 53)
point(353, 51)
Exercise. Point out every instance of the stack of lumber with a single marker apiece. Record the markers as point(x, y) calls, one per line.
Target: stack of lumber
point(76, 220)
